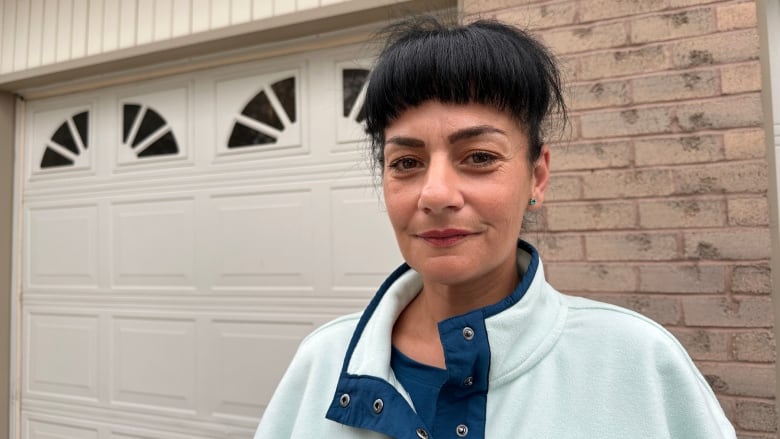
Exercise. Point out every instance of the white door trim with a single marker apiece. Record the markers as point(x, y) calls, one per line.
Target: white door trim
point(14, 427)
point(768, 13)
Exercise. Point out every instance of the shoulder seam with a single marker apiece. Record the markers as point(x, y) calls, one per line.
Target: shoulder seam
point(337, 321)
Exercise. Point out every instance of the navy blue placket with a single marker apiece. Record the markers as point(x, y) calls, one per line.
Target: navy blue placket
point(462, 403)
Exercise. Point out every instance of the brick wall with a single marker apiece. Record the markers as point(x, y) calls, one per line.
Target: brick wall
point(658, 195)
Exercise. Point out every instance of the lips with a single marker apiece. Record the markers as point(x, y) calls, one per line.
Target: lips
point(444, 237)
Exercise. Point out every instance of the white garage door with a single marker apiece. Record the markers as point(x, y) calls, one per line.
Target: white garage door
point(182, 235)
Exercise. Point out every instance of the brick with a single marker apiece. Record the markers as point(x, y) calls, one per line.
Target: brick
point(751, 279)
point(631, 247)
point(736, 16)
point(728, 403)
point(562, 188)
point(587, 38)
point(728, 112)
point(580, 156)
point(623, 62)
point(752, 211)
point(672, 25)
point(555, 247)
point(663, 310)
point(599, 95)
point(592, 10)
point(746, 312)
point(740, 379)
point(744, 144)
point(591, 216)
point(685, 213)
point(687, 278)
point(568, 66)
point(756, 416)
point(628, 183)
point(703, 344)
point(578, 277)
point(654, 120)
point(479, 6)
point(678, 150)
point(675, 4)
point(755, 346)
point(538, 16)
point(740, 78)
point(675, 87)
point(743, 435)
point(722, 178)
point(728, 244)
point(718, 48)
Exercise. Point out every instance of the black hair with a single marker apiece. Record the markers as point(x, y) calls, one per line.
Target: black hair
point(484, 62)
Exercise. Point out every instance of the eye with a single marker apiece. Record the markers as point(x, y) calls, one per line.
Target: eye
point(404, 164)
point(481, 158)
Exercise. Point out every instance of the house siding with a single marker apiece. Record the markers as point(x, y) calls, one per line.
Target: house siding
point(659, 189)
point(36, 33)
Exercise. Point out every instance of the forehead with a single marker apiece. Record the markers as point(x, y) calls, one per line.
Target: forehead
point(437, 118)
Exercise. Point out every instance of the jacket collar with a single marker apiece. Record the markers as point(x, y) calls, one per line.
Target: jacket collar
point(514, 332)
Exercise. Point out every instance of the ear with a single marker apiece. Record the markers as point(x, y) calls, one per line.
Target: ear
point(540, 175)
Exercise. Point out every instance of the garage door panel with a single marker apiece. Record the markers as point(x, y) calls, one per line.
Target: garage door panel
point(165, 294)
point(154, 363)
point(63, 355)
point(358, 258)
point(60, 429)
point(62, 245)
point(262, 239)
point(154, 243)
point(242, 385)
point(146, 434)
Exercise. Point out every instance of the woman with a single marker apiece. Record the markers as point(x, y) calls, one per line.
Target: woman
point(467, 339)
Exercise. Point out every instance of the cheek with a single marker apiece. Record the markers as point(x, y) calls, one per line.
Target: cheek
point(397, 204)
point(507, 204)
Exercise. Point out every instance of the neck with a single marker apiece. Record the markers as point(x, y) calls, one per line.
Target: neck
point(442, 301)
point(416, 331)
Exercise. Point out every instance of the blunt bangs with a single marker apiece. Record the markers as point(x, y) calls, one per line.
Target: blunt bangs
point(484, 62)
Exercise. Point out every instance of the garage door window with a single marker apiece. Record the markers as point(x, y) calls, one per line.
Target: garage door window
point(266, 116)
point(146, 132)
point(67, 143)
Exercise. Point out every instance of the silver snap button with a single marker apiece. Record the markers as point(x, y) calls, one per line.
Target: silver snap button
point(461, 430)
point(378, 406)
point(468, 381)
point(468, 333)
point(421, 433)
point(344, 400)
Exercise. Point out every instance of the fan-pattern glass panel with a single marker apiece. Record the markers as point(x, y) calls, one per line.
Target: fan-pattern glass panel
point(354, 83)
point(146, 132)
point(266, 116)
point(68, 142)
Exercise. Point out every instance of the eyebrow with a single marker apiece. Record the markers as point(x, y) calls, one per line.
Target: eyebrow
point(462, 134)
point(405, 141)
point(476, 131)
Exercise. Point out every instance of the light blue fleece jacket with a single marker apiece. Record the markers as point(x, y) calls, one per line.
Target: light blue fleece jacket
point(547, 366)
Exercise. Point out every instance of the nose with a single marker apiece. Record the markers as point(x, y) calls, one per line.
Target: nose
point(441, 188)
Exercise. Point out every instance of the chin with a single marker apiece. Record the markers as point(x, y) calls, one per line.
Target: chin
point(445, 270)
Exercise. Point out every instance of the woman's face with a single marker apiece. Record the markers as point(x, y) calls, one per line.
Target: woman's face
point(456, 183)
